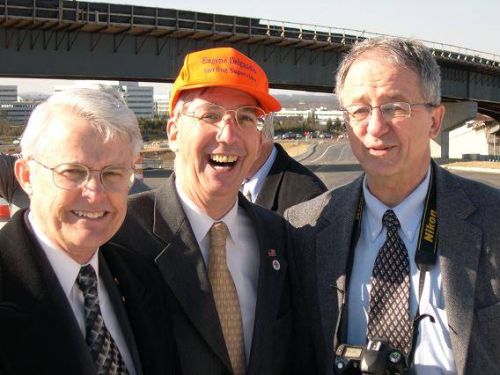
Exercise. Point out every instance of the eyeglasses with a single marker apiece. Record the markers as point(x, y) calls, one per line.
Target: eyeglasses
point(247, 118)
point(356, 115)
point(71, 176)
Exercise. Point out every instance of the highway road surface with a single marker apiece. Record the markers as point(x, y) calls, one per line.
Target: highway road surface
point(335, 164)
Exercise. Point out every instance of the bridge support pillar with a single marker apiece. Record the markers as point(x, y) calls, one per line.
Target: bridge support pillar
point(456, 115)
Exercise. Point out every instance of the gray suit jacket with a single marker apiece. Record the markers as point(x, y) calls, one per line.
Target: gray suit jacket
point(469, 256)
point(157, 226)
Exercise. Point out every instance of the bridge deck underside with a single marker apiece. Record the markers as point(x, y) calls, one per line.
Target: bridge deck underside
point(70, 39)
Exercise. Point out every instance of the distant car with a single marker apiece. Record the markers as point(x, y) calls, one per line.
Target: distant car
point(288, 135)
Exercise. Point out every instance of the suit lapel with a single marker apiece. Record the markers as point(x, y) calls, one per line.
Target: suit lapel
point(43, 310)
point(459, 250)
point(183, 268)
point(332, 252)
point(273, 179)
point(272, 274)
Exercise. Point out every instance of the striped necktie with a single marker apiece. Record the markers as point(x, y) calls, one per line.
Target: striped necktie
point(103, 348)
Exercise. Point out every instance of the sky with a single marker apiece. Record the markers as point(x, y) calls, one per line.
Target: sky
point(464, 23)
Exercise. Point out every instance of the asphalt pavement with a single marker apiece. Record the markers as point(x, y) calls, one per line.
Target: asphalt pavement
point(335, 164)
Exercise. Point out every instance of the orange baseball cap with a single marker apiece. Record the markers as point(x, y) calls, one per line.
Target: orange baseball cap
point(224, 67)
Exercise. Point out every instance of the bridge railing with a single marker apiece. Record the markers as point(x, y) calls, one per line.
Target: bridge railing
point(350, 36)
point(159, 22)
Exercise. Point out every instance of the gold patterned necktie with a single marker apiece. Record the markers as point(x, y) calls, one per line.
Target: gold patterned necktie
point(226, 297)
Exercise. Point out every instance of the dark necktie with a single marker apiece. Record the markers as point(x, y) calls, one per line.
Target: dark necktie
point(388, 313)
point(226, 298)
point(103, 348)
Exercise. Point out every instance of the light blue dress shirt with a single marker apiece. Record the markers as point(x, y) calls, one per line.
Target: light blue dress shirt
point(433, 354)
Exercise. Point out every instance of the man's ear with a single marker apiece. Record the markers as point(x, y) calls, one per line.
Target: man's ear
point(23, 172)
point(437, 120)
point(172, 132)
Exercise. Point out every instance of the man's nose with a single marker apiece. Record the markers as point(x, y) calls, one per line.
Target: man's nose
point(377, 125)
point(228, 127)
point(93, 183)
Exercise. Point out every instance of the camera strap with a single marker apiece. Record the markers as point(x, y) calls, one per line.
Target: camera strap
point(425, 257)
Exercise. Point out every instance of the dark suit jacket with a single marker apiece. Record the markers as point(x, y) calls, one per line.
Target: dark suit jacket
point(288, 183)
point(469, 257)
point(157, 226)
point(38, 331)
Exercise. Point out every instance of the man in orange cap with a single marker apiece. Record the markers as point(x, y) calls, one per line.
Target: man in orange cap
point(223, 258)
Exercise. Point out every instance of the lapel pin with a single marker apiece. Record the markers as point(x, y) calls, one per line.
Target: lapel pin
point(276, 265)
point(271, 253)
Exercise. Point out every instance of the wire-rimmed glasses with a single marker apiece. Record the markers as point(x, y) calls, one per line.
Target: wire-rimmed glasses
point(69, 176)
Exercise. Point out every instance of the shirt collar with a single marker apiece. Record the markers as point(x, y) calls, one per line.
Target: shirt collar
point(409, 211)
point(65, 267)
point(254, 184)
point(201, 222)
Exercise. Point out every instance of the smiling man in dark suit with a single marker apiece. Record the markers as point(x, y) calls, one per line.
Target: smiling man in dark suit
point(70, 301)
point(277, 181)
point(407, 253)
point(223, 258)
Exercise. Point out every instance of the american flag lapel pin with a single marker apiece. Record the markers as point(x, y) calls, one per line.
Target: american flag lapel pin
point(272, 254)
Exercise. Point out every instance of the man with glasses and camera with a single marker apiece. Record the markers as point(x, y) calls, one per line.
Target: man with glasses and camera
point(401, 268)
point(223, 259)
point(71, 302)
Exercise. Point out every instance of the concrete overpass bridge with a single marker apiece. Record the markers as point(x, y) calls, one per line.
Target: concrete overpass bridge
point(82, 40)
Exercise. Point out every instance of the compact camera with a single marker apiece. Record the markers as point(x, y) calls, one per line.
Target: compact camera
point(377, 358)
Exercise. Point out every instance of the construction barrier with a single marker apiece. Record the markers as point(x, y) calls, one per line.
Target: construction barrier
point(4, 210)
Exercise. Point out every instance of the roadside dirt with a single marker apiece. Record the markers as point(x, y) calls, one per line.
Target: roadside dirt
point(475, 164)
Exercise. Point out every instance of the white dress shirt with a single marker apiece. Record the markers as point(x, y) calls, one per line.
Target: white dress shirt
point(254, 184)
point(66, 270)
point(242, 254)
point(433, 355)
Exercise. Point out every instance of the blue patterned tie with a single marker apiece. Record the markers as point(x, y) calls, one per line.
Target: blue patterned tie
point(388, 313)
point(103, 348)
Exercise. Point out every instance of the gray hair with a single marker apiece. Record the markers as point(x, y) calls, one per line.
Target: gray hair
point(103, 108)
point(407, 53)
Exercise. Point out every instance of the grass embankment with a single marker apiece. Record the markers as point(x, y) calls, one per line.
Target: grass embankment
point(475, 164)
point(294, 148)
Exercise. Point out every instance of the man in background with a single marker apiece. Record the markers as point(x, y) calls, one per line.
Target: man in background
point(276, 181)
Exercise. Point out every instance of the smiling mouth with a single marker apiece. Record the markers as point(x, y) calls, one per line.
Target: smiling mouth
point(222, 161)
point(380, 148)
point(89, 214)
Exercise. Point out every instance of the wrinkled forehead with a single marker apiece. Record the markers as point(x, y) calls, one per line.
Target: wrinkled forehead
point(225, 97)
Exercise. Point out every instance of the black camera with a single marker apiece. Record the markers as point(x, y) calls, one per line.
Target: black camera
point(377, 358)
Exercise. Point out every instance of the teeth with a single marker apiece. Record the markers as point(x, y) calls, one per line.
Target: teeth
point(219, 158)
point(89, 214)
